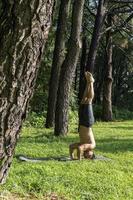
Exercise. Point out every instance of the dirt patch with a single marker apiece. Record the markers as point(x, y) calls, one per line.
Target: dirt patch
point(51, 196)
point(9, 196)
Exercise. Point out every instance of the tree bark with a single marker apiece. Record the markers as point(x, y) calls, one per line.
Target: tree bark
point(107, 86)
point(68, 69)
point(82, 69)
point(99, 21)
point(57, 61)
point(76, 79)
point(24, 27)
point(99, 72)
point(119, 73)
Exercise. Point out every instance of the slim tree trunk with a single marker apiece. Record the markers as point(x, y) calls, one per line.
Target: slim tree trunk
point(57, 61)
point(24, 28)
point(99, 71)
point(68, 69)
point(107, 88)
point(118, 75)
point(99, 21)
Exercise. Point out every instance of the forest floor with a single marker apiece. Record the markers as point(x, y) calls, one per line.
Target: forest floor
point(73, 180)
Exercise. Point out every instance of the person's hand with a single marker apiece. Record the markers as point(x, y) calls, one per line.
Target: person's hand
point(89, 77)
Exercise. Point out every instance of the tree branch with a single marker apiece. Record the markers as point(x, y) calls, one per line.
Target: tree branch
point(95, 3)
point(122, 1)
point(116, 11)
point(125, 53)
point(122, 25)
point(128, 19)
point(93, 14)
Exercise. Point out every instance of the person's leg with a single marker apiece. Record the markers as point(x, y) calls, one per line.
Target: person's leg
point(89, 90)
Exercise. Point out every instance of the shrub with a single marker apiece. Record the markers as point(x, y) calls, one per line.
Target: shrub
point(36, 120)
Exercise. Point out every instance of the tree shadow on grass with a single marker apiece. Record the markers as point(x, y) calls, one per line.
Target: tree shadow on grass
point(123, 127)
point(48, 138)
point(103, 145)
point(25, 158)
point(114, 145)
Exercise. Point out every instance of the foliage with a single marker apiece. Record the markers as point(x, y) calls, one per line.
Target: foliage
point(122, 61)
point(35, 120)
point(94, 180)
point(118, 114)
point(73, 100)
point(122, 75)
point(122, 114)
point(97, 109)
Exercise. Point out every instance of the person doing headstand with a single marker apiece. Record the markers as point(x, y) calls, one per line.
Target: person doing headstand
point(86, 120)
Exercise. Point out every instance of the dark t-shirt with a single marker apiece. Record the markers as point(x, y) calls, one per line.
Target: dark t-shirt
point(86, 117)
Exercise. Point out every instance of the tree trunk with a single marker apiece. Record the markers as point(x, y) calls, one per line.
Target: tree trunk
point(68, 69)
point(76, 79)
point(119, 61)
point(57, 61)
point(107, 87)
point(99, 72)
point(99, 21)
point(98, 88)
point(24, 29)
point(82, 69)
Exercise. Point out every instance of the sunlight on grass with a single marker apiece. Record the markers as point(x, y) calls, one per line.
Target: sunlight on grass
point(76, 180)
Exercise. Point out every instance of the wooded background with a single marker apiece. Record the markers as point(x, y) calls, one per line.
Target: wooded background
point(93, 36)
point(106, 43)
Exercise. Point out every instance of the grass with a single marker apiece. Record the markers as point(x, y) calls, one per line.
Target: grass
point(73, 180)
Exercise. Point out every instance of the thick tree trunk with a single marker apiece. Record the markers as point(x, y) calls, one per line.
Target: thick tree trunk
point(76, 79)
point(68, 69)
point(57, 61)
point(99, 21)
point(82, 69)
point(24, 27)
point(107, 88)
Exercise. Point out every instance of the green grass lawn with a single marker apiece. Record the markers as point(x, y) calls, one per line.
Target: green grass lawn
point(75, 180)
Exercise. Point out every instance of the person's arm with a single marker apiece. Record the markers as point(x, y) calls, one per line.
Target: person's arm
point(89, 90)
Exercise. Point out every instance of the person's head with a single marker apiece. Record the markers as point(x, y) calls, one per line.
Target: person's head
point(88, 154)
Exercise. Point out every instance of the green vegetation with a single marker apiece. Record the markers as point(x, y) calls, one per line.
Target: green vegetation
point(118, 114)
point(94, 36)
point(75, 180)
